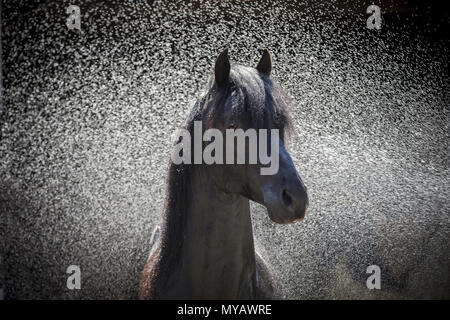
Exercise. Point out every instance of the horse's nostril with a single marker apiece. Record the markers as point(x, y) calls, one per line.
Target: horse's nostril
point(287, 199)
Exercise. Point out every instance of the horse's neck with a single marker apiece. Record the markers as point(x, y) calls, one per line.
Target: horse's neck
point(218, 257)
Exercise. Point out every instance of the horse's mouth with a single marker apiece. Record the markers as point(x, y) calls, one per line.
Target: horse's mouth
point(277, 218)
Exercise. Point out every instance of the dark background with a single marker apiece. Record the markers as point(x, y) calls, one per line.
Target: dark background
point(86, 119)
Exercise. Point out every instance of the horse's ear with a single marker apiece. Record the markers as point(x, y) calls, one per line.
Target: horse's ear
point(265, 64)
point(222, 68)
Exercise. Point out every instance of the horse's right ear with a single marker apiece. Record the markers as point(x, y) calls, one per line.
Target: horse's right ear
point(222, 68)
point(265, 64)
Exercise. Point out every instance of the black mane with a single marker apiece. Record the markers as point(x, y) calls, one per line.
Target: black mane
point(252, 96)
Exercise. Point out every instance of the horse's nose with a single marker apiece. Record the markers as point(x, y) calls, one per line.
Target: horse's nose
point(287, 199)
point(295, 200)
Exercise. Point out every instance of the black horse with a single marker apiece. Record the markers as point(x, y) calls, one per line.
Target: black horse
point(205, 248)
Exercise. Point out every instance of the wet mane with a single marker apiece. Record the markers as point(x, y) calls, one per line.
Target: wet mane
point(254, 99)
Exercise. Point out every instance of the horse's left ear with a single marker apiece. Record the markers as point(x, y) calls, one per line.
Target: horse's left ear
point(222, 68)
point(265, 64)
